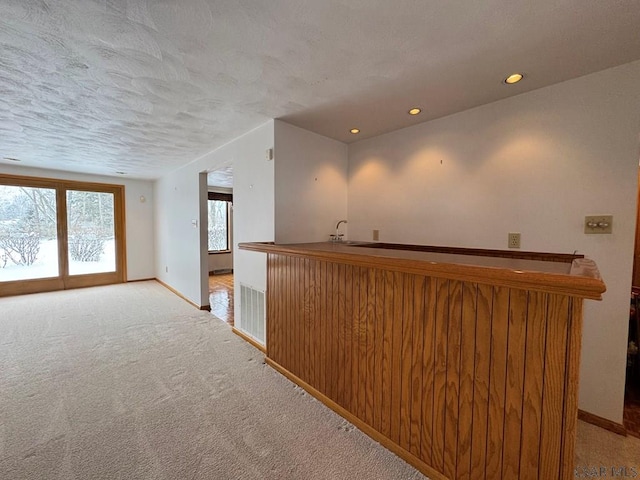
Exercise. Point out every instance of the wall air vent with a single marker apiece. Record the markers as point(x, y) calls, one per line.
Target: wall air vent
point(252, 312)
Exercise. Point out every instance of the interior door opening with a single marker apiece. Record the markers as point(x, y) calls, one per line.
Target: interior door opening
point(220, 243)
point(631, 412)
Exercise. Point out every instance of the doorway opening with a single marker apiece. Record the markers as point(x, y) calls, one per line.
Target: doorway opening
point(631, 415)
point(220, 243)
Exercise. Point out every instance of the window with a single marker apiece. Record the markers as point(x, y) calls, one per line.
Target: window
point(219, 206)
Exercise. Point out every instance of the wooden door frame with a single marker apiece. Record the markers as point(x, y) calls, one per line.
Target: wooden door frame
point(64, 281)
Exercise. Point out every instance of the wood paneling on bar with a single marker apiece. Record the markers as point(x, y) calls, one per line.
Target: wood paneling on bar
point(464, 379)
point(437, 367)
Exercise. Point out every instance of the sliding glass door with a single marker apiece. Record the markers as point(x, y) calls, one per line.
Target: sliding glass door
point(28, 233)
point(91, 232)
point(59, 234)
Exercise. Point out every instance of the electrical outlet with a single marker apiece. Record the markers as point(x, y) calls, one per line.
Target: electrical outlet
point(376, 235)
point(514, 240)
point(166, 269)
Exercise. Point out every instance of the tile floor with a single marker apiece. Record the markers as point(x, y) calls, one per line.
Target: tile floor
point(221, 296)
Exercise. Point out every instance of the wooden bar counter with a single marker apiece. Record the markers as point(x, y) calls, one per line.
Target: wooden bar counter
point(463, 362)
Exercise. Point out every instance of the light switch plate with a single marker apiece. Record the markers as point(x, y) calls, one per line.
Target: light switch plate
point(598, 224)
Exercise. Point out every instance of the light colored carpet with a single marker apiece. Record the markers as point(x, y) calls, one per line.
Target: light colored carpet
point(130, 382)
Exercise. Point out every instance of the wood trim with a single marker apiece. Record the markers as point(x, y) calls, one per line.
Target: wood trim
point(176, 292)
point(45, 182)
point(249, 339)
point(591, 287)
point(63, 240)
point(636, 249)
point(92, 280)
point(122, 238)
point(483, 252)
point(525, 255)
point(40, 285)
point(602, 422)
point(37, 285)
point(384, 441)
point(141, 280)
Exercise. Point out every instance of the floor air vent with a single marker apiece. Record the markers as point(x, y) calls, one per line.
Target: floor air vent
point(252, 312)
point(221, 271)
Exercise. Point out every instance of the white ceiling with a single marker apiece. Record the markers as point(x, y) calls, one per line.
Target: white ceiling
point(146, 86)
point(221, 177)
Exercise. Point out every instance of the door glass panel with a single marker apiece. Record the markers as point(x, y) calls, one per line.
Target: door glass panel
point(28, 233)
point(91, 232)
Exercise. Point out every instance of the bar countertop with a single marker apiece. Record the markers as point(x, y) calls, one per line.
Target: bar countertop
point(556, 273)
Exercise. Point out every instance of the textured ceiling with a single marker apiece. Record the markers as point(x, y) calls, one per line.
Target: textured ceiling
point(146, 86)
point(222, 177)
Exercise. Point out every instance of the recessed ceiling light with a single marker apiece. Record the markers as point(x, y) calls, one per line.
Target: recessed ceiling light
point(355, 131)
point(11, 159)
point(415, 111)
point(513, 78)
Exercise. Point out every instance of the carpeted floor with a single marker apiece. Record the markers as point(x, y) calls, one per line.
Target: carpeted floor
point(130, 382)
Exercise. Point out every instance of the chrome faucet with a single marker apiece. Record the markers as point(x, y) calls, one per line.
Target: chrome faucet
point(338, 236)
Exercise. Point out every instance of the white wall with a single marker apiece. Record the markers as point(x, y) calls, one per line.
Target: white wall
point(177, 240)
point(181, 248)
point(253, 209)
point(310, 185)
point(220, 261)
point(139, 215)
point(536, 164)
